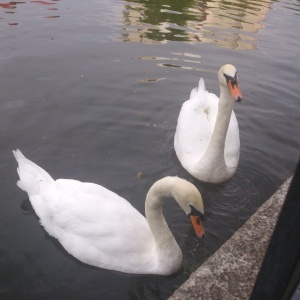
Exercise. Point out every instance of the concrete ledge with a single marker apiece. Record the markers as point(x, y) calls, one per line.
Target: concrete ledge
point(231, 272)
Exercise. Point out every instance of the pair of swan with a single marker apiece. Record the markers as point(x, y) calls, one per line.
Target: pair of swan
point(102, 229)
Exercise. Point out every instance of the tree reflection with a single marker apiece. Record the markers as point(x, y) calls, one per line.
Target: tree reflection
point(224, 23)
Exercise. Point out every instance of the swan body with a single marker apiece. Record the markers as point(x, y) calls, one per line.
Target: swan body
point(102, 229)
point(207, 139)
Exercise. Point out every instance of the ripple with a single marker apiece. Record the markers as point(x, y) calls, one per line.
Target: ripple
point(182, 61)
point(170, 11)
point(170, 58)
point(42, 2)
point(151, 79)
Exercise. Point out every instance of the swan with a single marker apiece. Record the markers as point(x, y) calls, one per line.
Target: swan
point(102, 229)
point(207, 141)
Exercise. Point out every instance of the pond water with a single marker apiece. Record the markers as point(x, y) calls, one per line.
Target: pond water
point(92, 90)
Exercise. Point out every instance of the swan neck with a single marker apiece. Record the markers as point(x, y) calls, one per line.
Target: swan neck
point(166, 244)
point(225, 106)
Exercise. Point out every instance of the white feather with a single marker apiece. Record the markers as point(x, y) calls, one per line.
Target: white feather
point(195, 126)
point(100, 228)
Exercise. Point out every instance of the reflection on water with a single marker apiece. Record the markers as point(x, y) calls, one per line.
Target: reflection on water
point(176, 61)
point(10, 8)
point(10, 5)
point(225, 24)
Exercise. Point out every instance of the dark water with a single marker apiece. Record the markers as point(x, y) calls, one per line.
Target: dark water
point(92, 90)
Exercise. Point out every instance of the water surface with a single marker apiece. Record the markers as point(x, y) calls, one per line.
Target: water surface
point(92, 91)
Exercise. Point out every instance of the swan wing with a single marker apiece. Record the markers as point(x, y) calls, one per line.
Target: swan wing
point(195, 124)
point(96, 225)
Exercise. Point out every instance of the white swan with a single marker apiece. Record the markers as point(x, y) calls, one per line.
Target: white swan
point(100, 228)
point(207, 141)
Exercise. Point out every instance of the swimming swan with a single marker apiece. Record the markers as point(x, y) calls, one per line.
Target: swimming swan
point(207, 141)
point(102, 229)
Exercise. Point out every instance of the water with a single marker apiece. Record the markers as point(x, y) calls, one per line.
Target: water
point(92, 91)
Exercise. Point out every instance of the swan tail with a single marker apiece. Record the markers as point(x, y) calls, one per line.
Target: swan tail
point(32, 177)
point(198, 90)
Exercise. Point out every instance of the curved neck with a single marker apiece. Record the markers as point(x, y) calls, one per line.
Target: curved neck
point(166, 245)
point(215, 150)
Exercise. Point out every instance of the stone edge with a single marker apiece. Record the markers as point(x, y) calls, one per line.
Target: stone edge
point(231, 272)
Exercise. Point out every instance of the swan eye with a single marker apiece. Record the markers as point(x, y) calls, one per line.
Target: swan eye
point(234, 79)
point(196, 213)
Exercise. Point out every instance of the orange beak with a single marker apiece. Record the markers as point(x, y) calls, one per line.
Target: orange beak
point(235, 91)
point(198, 227)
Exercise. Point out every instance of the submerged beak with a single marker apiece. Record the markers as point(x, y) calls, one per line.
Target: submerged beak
point(198, 227)
point(235, 91)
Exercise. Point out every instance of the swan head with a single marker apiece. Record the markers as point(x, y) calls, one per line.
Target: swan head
point(228, 78)
point(190, 200)
point(186, 195)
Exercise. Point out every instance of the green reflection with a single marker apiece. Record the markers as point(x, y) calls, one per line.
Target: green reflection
point(230, 24)
point(171, 11)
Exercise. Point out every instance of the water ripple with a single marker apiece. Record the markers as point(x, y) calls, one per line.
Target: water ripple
point(183, 61)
